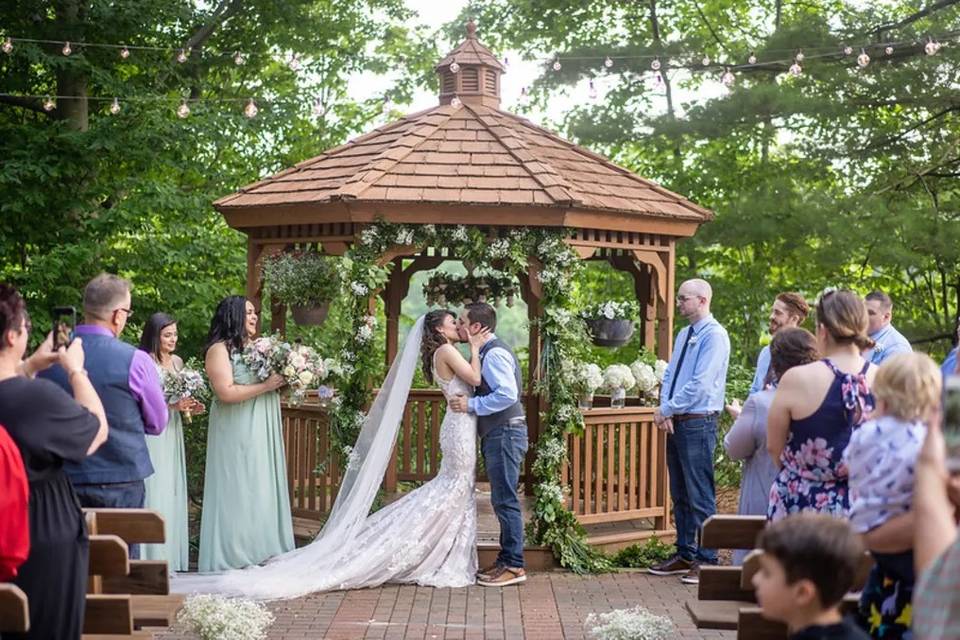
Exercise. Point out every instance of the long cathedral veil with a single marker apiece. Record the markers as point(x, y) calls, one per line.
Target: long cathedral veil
point(310, 568)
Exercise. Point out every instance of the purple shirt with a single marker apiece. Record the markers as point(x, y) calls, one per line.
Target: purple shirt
point(144, 383)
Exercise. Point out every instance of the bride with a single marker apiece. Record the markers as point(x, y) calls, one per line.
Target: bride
point(428, 537)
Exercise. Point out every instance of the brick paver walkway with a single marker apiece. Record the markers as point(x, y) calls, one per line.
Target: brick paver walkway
point(550, 606)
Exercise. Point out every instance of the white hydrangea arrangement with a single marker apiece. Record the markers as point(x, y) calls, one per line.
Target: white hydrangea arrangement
point(590, 377)
point(214, 617)
point(628, 624)
point(611, 310)
point(660, 369)
point(618, 376)
point(645, 375)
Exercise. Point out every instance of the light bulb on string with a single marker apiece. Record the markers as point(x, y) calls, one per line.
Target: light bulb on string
point(454, 67)
point(183, 110)
point(318, 107)
point(752, 59)
point(456, 103)
point(656, 64)
point(67, 49)
point(932, 47)
point(506, 61)
point(796, 70)
point(888, 50)
point(706, 61)
point(182, 56)
point(728, 79)
point(847, 50)
point(523, 92)
point(592, 93)
point(124, 53)
point(115, 106)
point(238, 59)
point(657, 80)
point(863, 59)
point(49, 104)
point(799, 57)
point(7, 45)
point(294, 62)
point(251, 109)
point(607, 62)
point(556, 64)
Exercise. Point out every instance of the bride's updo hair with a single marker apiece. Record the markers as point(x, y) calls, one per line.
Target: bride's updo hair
point(844, 315)
point(432, 339)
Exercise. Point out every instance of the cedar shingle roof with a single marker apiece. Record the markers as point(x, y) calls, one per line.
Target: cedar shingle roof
point(465, 155)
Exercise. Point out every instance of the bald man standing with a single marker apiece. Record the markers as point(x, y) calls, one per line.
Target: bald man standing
point(691, 398)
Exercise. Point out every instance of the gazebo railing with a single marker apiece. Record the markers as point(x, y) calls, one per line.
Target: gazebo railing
point(615, 471)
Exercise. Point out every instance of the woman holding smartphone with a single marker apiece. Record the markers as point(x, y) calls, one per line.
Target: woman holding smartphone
point(166, 489)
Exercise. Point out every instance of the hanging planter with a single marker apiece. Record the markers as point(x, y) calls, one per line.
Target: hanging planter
point(611, 324)
point(305, 281)
point(490, 286)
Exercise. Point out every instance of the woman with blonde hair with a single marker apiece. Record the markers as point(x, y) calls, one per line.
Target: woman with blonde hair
point(816, 408)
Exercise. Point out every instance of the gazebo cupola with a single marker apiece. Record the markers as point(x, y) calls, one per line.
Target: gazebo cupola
point(470, 73)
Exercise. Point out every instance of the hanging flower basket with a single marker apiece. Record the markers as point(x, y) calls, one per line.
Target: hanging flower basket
point(610, 333)
point(305, 316)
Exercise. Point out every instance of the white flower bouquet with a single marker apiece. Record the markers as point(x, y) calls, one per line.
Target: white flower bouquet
point(645, 375)
point(214, 617)
point(185, 383)
point(628, 624)
point(660, 369)
point(590, 377)
point(618, 376)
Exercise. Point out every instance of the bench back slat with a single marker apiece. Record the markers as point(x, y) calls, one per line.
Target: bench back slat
point(132, 525)
point(108, 556)
point(146, 577)
point(731, 532)
point(108, 614)
point(14, 609)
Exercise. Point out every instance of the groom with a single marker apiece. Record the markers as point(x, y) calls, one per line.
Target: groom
point(503, 439)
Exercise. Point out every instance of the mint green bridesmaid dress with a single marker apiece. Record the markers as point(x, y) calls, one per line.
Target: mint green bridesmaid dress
point(167, 493)
point(246, 510)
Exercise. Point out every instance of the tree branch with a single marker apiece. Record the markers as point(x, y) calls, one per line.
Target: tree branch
point(936, 6)
point(221, 14)
point(709, 26)
point(31, 104)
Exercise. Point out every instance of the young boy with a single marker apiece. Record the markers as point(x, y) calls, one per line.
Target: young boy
point(809, 563)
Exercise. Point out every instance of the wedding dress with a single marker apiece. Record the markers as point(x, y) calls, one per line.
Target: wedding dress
point(427, 537)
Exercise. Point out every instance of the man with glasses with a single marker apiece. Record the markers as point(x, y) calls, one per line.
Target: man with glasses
point(691, 398)
point(127, 381)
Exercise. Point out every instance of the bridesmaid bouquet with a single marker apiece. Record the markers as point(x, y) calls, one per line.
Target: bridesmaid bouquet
point(301, 366)
point(185, 383)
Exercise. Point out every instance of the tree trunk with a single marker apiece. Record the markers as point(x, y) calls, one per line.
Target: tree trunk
point(71, 82)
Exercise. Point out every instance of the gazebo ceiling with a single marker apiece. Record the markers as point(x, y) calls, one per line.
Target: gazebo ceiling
point(465, 161)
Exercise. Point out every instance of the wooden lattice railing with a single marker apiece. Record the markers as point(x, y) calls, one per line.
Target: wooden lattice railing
point(616, 469)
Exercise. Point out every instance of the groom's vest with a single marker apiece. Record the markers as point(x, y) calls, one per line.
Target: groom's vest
point(486, 424)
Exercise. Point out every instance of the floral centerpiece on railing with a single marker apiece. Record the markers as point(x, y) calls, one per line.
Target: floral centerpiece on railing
point(587, 378)
point(618, 379)
point(305, 280)
point(611, 323)
point(489, 286)
point(648, 372)
point(188, 382)
point(301, 366)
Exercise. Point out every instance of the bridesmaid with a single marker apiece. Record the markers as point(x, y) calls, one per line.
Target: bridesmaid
point(166, 489)
point(246, 510)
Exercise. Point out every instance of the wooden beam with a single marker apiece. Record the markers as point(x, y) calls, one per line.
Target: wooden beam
point(585, 251)
point(655, 261)
point(254, 280)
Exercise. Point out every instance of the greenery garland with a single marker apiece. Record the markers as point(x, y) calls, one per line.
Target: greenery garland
point(563, 337)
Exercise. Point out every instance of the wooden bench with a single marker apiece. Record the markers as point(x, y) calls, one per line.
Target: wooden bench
point(107, 613)
point(720, 593)
point(14, 609)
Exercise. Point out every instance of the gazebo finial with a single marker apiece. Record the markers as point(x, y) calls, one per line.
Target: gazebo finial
point(471, 29)
point(470, 73)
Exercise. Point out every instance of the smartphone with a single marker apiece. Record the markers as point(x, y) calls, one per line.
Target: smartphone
point(64, 325)
point(951, 421)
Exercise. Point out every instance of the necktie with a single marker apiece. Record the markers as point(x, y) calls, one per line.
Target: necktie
point(683, 353)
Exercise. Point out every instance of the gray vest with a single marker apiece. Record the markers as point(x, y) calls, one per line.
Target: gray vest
point(486, 424)
point(124, 456)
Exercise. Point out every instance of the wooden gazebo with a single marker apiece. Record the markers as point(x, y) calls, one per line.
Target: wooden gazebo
point(467, 162)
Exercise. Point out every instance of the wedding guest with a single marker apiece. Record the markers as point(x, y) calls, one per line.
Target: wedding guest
point(881, 457)
point(789, 310)
point(49, 428)
point(809, 563)
point(949, 365)
point(127, 382)
point(166, 489)
point(933, 528)
point(888, 341)
point(747, 438)
point(14, 493)
point(691, 397)
point(245, 456)
point(815, 409)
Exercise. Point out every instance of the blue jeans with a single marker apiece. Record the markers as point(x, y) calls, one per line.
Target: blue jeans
point(690, 463)
point(503, 452)
point(113, 495)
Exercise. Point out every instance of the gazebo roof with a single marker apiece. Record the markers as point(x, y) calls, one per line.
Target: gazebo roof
point(461, 162)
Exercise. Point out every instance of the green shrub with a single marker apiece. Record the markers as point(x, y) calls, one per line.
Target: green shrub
point(641, 556)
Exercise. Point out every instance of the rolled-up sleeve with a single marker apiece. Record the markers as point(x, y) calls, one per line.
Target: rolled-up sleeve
point(740, 442)
point(145, 386)
point(498, 372)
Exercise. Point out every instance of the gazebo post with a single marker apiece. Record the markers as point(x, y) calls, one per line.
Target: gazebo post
point(665, 308)
point(532, 294)
point(393, 295)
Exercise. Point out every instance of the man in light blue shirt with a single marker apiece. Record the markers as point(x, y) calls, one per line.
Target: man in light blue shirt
point(502, 427)
point(789, 310)
point(889, 341)
point(691, 398)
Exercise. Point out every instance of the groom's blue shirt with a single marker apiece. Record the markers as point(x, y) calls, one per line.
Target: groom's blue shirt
point(497, 369)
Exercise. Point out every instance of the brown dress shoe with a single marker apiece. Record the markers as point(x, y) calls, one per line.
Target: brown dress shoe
point(672, 567)
point(488, 571)
point(504, 576)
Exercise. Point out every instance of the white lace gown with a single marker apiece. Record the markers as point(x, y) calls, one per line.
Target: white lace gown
point(428, 537)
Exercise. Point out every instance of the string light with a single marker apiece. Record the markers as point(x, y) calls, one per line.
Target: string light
point(294, 63)
point(523, 92)
point(182, 56)
point(728, 79)
point(607, 62)
point(115, 106)
point(657, 80)
point(238, 59)
point(456, 103)
point(67, 49)
point(556, 64)
point(183, 110)
point(656, 64)
point(932, 47)
point(799, 57)
point(592, 93)
point(318, 107)
point(454, 67)
point(752, 59)
point(124, 53)
point(706, 61)
point(863, 59)
point(506, 61)
point(49, 104)
point(848, 50)
point(251, 109)
point(888, 50)
point(7, 45)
